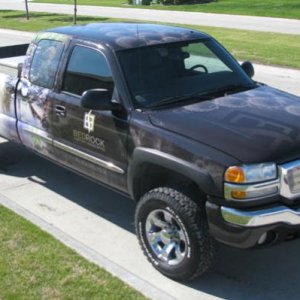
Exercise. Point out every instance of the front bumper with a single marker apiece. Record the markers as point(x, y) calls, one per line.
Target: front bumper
point(262, 217)
point(248, 228)
point(260, 221)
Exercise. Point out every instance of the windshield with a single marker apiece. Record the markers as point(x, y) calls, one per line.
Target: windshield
point(169, 73)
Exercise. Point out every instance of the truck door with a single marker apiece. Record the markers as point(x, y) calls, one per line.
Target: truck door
point(34, 93)
point(89, 141)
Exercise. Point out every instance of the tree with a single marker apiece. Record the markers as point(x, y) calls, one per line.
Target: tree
point(75, 12)
point(27, 12)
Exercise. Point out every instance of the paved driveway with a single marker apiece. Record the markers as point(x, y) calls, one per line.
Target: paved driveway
point(99, 223)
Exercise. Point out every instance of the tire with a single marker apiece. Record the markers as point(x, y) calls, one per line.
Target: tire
point(173, 233)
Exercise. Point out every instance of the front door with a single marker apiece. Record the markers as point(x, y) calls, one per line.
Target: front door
point(89, 141)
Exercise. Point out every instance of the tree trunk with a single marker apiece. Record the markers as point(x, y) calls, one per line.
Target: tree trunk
point(75, 12)
point(27, 11)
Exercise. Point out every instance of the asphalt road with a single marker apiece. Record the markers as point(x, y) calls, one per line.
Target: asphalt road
point(192, 18)
point(98, 223)
point(101, 223)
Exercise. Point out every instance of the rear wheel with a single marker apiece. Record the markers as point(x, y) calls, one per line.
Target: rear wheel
point(173, 233)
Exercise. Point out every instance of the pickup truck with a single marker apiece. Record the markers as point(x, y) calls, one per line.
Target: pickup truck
point(166, 116)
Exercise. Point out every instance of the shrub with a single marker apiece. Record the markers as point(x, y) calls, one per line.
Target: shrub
point(180, 2)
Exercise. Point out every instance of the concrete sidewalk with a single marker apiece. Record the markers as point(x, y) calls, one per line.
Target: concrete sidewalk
point(13, 37)
point(278, 25)
point(98, 224)
point(287, 80)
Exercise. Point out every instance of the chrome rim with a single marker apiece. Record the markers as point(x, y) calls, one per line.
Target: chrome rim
point(166, 237)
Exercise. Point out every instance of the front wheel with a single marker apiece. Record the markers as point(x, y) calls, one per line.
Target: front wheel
point(173, 233)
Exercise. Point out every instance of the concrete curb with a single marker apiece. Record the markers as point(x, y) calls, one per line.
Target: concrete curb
point(137, 283)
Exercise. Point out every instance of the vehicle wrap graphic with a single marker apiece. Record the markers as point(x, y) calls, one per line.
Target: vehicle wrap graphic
point(130, 35)
point(85, 138)
point(7, 109)
point(245, 125)
point(89, 121)
point(7, 89)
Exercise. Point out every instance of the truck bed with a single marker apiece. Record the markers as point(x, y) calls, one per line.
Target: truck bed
point(9, 66)
point(11, 57)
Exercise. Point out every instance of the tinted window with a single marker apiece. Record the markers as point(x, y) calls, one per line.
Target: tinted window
point(87, 69)
point(164, 74)
point(45, 63)
point(201, 58)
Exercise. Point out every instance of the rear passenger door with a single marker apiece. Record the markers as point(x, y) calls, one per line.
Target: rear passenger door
point(89, 141)
point(34, 92)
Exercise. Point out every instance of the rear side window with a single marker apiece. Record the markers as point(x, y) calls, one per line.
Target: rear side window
point(87, 69)
point(45, 63)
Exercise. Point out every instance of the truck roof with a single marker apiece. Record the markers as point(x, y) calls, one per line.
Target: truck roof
point(129, 35)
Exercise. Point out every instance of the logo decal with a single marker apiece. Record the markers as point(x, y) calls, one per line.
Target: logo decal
point(89, 121)
point(88, 139)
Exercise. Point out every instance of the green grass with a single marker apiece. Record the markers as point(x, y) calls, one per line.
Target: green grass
point(33, 265)
point(268, 8)
point(260, 47)
point(40, 21)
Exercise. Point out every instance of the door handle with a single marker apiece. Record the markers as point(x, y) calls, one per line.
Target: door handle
point(60, 110)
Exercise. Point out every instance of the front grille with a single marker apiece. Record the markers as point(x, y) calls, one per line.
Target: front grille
point(289, 174)
point(294, 180)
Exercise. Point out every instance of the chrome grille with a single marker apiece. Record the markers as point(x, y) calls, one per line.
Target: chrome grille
point(294, 180)
point(290, 179)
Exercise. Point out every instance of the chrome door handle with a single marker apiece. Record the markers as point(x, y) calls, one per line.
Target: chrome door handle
point(60, 110)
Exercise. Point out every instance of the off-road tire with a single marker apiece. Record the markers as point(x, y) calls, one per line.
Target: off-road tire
point(201, 247)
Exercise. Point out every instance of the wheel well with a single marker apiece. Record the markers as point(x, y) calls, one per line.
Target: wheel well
point(151, 176)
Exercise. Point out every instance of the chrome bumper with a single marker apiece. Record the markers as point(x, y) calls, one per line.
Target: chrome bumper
point(278, 214)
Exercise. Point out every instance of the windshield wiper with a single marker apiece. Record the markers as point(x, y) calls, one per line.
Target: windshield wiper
point(209, 94)
point(177, 99)
point(223, 90)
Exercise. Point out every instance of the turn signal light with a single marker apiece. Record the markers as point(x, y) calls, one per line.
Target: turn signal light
point(238, 194)
point(235, 174)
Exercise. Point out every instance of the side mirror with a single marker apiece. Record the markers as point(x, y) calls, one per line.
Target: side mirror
point(248, 68)
point(98, 99)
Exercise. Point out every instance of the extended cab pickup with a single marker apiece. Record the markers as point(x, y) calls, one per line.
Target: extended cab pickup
point(168, 117)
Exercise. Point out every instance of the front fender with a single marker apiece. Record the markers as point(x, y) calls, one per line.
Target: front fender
point(142, 155)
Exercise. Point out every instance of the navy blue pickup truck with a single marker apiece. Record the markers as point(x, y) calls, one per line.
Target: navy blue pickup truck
point(168, 117)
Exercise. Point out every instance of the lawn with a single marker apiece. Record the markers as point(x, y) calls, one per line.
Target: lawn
point(33, 265)
point(268, 8)
point(260, 47)
point(40, 21)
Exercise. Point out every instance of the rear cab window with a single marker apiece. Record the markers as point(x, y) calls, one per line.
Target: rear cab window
point(45, 62)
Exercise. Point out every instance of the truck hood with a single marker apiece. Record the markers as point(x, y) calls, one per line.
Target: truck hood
point(262, 124)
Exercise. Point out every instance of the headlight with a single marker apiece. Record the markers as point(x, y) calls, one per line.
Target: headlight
point(251, 173)
point(250, 181)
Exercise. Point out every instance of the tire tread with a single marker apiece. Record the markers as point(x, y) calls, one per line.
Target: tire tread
point(195, 216)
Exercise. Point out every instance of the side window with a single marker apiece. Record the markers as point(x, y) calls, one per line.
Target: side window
point(87, 69)
point(45, 63)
